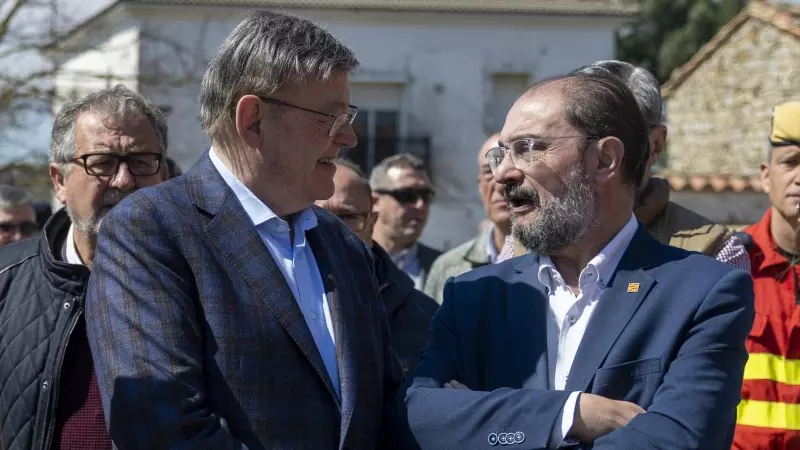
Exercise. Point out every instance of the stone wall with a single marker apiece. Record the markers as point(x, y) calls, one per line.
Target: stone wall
point(719, 117)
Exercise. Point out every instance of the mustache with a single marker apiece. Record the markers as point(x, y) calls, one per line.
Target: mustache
point(113, 196)
point(517, 193)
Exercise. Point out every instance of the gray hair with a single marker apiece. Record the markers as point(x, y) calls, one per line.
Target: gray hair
point(12, 196)
point(378, 177)
point(118, 102)
point(640, 81)
point(263, 54)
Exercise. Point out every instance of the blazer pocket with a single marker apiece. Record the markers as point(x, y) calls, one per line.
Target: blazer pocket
point(634, 381)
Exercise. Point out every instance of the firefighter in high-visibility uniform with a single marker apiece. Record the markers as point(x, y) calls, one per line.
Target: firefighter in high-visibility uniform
point(769, 414)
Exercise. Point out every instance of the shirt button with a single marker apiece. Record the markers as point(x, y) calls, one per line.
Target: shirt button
point(313, 316)
point(66, 305)
point(571, 320)
point(588, 275)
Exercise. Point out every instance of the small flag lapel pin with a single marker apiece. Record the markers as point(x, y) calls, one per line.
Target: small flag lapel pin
point(633, 287)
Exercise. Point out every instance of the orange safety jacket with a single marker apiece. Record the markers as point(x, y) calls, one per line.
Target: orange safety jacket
point(768, 417)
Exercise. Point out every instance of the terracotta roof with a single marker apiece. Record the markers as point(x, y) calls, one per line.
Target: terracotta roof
point(712, 182)
point(592, 7)
point(784, 16)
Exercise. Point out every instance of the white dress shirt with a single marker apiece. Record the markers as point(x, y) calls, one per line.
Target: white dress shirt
point(295, 260)
point(491, 250)
point(572, 313)
point(70, 251)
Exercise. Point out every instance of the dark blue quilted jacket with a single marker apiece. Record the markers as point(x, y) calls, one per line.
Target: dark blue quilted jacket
point(41, 300)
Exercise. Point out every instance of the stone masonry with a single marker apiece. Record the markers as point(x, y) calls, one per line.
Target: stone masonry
point(719, 115)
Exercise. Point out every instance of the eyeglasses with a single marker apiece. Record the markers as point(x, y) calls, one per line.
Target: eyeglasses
point(408, 196)
point(522, 151)
point(355, 221)
point(106, 164)
point(338, 121)
point(24, 228)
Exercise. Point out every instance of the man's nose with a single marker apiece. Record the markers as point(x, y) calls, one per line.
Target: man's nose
point(507, 172)
point(346, 137)
point(123, 179)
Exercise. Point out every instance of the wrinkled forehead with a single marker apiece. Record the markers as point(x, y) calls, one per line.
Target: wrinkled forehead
point(537, 114)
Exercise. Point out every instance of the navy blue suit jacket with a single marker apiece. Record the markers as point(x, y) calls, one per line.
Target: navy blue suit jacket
point(668, 334)
point(199, 342)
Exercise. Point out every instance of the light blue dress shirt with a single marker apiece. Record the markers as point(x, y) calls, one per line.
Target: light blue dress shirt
point(296, 261)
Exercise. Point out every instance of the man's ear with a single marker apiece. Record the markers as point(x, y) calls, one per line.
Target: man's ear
point(658, 142)
point(59, 182)
point(249, 112)
point(764, 177)
point(610, 154)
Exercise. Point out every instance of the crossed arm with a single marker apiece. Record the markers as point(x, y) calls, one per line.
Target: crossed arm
point(694, 408)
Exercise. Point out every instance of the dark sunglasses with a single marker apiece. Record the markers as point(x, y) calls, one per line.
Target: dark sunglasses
point(24, 228)
point(408, 196)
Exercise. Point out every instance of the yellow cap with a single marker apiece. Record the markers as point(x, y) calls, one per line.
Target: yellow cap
point(786, 124)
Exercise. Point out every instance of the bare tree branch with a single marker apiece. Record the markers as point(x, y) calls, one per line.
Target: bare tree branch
point(16, 7)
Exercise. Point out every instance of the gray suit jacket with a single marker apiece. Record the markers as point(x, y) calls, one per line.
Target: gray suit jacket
point(467, 256)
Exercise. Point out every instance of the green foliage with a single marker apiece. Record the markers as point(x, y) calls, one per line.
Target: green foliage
point(668, 32)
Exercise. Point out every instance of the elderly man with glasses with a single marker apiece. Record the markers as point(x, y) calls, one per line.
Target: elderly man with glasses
point(600, 336)
point(409, 310)
point(104, 147)
point(227, 310)
point(667, 221)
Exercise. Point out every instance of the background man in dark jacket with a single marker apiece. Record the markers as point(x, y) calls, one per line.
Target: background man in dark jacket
point(104, 146)
point(409, 310)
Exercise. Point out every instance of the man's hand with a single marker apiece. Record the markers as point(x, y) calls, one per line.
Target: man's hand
point(454, 384)
point(597, 416)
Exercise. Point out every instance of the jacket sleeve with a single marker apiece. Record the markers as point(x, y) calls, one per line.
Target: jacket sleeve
point(695, 407)
point(440, 418)
point(145, 331)
point(435, 281)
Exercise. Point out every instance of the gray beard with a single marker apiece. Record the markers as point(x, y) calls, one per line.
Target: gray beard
point(89, 226)
point(561, 220)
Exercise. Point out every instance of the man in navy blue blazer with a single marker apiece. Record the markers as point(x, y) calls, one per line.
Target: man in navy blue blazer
point(601, 337)
point(224, 310)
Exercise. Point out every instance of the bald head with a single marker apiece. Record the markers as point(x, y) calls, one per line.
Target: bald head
point(351, 200)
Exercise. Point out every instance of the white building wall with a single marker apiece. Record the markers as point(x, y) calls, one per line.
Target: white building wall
point(444, 61)
point(113, 58)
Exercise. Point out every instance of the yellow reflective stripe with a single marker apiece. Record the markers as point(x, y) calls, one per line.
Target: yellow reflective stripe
point(756, 413)
point(763, 366)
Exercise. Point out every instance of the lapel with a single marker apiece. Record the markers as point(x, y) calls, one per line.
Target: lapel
point(344, 315)
point(615, 308)
point(531, 325)
point(241, 247)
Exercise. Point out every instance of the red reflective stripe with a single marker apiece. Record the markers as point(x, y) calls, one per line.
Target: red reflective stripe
point(770, 391)
point(755, 438)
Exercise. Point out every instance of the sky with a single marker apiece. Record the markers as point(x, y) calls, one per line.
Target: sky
point(32, 138)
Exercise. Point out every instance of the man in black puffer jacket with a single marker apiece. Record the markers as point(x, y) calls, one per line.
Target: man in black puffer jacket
point(104, 146)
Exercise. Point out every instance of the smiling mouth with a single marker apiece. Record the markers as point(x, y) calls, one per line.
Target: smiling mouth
point(328, 162)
